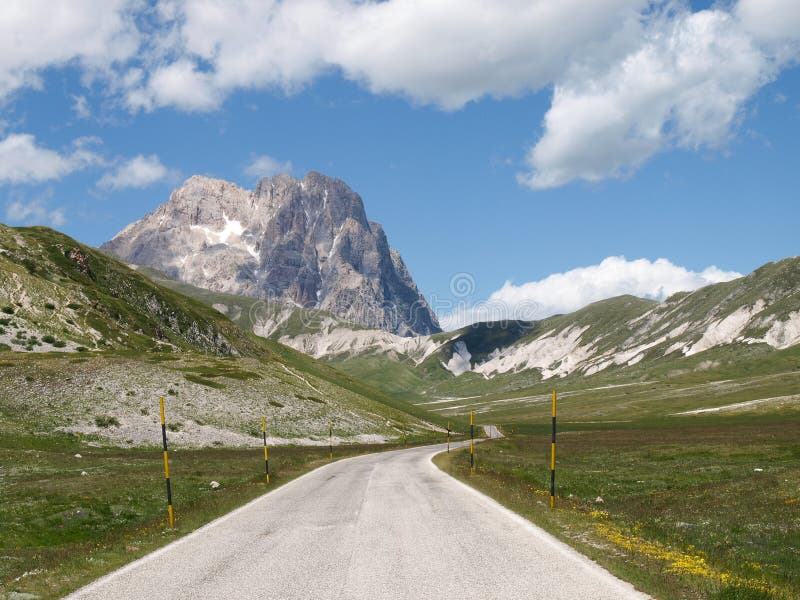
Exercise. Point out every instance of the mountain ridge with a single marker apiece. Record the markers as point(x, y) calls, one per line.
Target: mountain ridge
point(758, 311)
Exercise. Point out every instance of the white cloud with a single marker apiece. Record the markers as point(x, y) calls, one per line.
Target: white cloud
point(631, 78)
point(267, 166)
point(138, 172)
point(34, 212)
point(451, 52)
point(684, 86)
point(80, 106)
point(445, 52)
point(572, 290)
point(37, 34)
point(22, 160)
point(771, 20)
point(179, 84)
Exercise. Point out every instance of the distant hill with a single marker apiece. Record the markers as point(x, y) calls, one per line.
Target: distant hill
point(753, 315)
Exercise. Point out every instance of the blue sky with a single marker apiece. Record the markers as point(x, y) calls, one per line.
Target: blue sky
point(443, 166)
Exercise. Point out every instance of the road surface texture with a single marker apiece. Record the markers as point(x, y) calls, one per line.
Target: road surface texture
point(387, 525)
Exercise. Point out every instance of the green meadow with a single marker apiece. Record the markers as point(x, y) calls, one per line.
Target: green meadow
point(691, 507)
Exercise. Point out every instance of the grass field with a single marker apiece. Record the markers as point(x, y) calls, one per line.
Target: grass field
point(212, 400)
point(652, 396)
point(65, 521)
point(699, 508)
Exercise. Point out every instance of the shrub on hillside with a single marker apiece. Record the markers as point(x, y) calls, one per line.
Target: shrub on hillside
point(106, 421)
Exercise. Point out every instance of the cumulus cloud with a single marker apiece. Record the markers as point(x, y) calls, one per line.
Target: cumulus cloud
point(22, 160)
point(37, 34)
point(776, 21)
point(630, 78)
point(267, 166)
point(684, 86)
point(451, 52)
point(34, 212)
point(567, 292)
point(138, 172)
point(446, 52)
point(179, 84)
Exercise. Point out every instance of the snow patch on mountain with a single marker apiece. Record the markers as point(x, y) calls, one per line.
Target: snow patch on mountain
point(230, 235)
point(460, 361)
point(342, 340)
point(784, 334)
point(553, 353)
point(727, 330)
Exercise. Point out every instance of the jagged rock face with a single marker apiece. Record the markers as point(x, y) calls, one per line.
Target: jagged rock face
point(306, 242)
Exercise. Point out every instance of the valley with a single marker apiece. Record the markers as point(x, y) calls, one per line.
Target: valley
point(399, 299)
point(91, 343)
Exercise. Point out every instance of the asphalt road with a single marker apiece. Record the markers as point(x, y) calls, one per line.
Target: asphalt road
point(388, 525)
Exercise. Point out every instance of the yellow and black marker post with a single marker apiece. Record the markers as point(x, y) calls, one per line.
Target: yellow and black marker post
point(266, 450)
point(553, 458)
point(471, 444)
point(330, 440)
point(448, 436)
point(166, 464)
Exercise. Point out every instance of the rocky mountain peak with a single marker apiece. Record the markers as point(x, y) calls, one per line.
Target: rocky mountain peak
point(303, 241)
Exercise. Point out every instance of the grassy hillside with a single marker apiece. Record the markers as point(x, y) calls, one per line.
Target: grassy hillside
point(394, 375)
point(53, 286)
point(719, 330)
point(89, 345)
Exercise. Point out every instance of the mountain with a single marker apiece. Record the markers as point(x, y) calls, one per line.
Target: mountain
point(302, 242)
point(762, 309)
point(87, 345)
point(751, 316)
point(728, 323)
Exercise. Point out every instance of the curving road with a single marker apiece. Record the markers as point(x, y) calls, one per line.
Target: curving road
point(388, 525)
